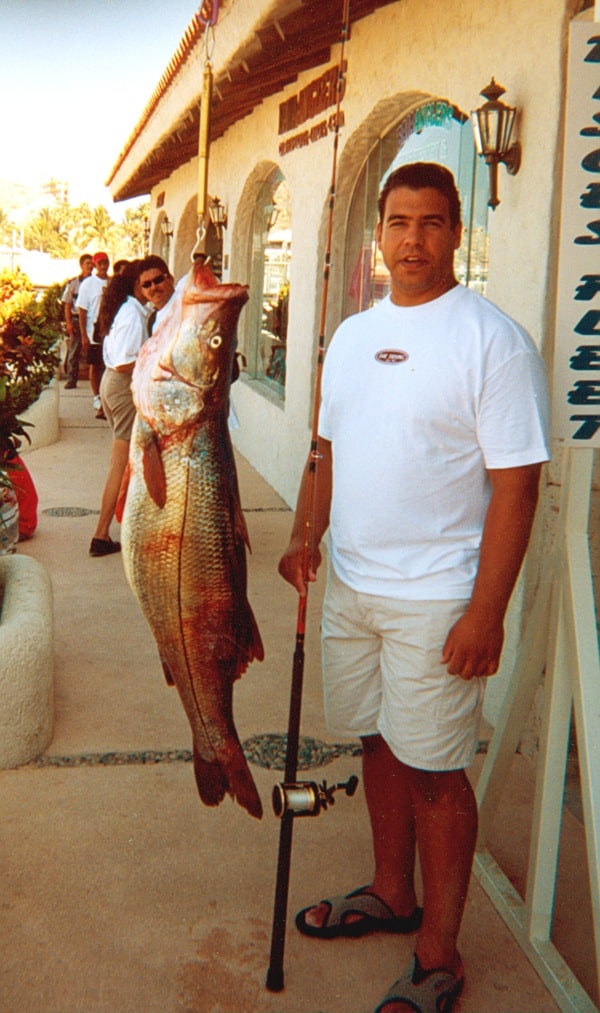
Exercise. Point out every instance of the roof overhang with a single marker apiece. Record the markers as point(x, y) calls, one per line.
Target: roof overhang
point(290, 37)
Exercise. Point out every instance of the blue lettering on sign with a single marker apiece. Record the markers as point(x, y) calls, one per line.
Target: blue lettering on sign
point(585, 392)
point(591, 199)
point(588, 429)
point(590, 240)
point(588, 323)
point(588, 357)
point(589, 288)
point(594, 54)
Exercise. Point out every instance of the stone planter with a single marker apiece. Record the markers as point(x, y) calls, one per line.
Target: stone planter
point(43, 416)
point(26, 660)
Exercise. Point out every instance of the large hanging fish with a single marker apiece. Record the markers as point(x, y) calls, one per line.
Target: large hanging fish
point(183, 531)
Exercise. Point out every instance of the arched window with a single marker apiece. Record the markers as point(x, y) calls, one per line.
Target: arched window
point(267, 317)
point(435, 132)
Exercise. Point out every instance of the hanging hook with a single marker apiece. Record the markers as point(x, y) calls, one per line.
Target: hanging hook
point(200, 236)
point(209, 19)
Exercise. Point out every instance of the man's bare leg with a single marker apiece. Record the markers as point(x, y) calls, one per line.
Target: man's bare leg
point(390, 806)
point(446, 825)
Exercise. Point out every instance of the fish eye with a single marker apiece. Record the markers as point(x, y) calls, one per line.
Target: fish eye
point(216, 341)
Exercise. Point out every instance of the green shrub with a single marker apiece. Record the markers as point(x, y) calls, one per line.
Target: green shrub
point(30, 332)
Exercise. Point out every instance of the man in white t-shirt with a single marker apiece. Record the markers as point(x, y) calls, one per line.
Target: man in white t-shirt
point(88, 306)
point(68, 299)
point(433, 427)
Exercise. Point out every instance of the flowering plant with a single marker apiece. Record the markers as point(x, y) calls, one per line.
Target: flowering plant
point(29, 354)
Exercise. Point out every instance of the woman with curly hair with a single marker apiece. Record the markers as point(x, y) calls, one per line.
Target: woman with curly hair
point(123, 324)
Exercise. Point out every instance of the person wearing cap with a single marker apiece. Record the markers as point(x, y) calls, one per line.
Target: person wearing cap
point(88, 305)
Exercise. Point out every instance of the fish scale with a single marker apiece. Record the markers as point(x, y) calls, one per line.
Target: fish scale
point(183, 531)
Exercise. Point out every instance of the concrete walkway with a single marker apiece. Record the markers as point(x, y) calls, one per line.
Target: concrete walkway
point(121, 893)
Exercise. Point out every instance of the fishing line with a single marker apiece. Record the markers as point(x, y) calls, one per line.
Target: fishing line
point(275, 974)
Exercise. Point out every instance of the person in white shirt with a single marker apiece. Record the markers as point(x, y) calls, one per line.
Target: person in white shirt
point(123, 318)
point(432, 431)
point(88, 306)
point(69, 298)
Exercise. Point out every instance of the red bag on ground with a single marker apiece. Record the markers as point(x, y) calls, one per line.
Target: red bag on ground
point(27, 496)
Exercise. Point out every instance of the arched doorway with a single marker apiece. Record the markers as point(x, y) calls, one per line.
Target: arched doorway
point(432, 131)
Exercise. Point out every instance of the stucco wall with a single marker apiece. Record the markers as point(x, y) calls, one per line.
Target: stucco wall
point(402, 52)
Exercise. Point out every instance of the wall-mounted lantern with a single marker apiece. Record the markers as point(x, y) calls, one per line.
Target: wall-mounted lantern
point(492, 130)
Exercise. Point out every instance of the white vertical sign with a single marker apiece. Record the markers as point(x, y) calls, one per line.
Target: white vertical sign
point(577, 355)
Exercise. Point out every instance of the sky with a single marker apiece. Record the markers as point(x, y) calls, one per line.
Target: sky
point(75, 78)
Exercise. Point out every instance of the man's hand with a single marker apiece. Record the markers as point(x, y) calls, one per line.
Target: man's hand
point(291, 567)
point(297, 558)
point(473, 646)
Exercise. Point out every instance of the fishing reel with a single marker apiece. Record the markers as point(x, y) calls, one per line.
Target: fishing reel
point(307, 798)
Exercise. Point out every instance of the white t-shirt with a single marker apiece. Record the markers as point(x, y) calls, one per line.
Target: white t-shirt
point(127, 334)
point(88, 299)
point(418, 402)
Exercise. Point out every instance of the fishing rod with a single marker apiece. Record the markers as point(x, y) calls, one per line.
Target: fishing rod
point(291, 798)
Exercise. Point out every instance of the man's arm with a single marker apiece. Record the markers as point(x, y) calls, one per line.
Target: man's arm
point(83, 326)
point(69, 318)
point(474, 644)
point(310, 523)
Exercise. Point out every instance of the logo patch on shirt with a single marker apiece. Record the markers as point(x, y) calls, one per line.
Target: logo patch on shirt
point(391, 356)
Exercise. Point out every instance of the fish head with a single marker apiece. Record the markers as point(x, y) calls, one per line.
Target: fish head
point(192, 354)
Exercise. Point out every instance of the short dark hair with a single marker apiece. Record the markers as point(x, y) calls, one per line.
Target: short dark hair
point(84, 257)
point(154, 261)
point(418, 176)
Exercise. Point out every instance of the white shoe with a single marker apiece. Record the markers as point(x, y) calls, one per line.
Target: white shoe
point(97, 402)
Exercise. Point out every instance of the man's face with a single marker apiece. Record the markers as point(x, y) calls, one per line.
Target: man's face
point(87, 266)
point(157, 286)
point(418, 243)
point(101, 268)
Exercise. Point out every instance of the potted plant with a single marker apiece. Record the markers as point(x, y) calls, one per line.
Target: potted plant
point(30, 333)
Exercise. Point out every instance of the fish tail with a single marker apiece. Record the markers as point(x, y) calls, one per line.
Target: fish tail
point(210, 780)
point(243, 788)
point(213, 781)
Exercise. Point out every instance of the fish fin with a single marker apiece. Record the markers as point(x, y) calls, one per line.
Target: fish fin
point(252, 649)
point(167, 673)
point(240, 526)
point(154, 472)
point(122, 494)
point(258, 651)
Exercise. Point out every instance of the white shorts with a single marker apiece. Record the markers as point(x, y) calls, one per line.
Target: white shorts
point(383, 675)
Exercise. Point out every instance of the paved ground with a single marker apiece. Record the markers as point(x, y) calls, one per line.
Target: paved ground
point(121, 893)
